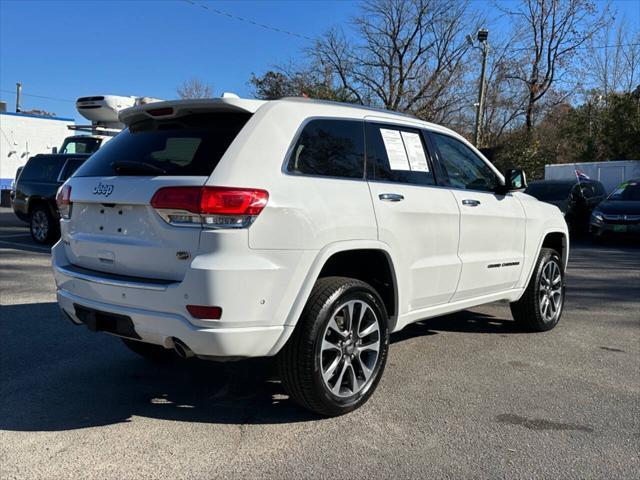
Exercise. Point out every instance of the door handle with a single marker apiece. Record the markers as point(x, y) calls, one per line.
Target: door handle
point(391, 197)
point(470, 203)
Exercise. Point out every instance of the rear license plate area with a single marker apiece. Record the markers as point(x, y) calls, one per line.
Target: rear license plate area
point(99, 321)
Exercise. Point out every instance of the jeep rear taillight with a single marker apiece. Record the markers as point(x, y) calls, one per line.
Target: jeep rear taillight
point(63, 201)
point(209, 207)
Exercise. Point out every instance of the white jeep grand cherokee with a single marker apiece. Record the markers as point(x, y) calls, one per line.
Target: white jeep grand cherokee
point(230, 228)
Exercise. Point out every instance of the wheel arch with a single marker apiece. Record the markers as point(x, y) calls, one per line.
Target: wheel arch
point(37, 201)
point(369, 261)
point(555, 238)
point(559, 241)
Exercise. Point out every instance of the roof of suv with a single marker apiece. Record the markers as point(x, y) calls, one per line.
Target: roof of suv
point(228, 104)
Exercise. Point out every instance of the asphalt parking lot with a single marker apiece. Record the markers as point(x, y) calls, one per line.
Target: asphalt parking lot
point(463, 396)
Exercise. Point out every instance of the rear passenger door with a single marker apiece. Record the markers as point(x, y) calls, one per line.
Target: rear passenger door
point(417, 219)
point(492, 227)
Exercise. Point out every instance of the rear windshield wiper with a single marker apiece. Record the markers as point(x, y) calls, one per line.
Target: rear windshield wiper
point(140, 168)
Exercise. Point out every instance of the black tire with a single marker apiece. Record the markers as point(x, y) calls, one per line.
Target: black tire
point(302, 360)
point(154, 353)
point(529, 312)
point(43, 226)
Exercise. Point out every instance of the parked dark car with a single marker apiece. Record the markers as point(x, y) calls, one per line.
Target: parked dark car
point(12, 188)
point(619, 213)
point(34, 201)
point(576, 200)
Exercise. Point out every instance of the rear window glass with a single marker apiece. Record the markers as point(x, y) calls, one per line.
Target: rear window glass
point(550, 191)
point(190, 145)
point(332, 148)
point(42, 169)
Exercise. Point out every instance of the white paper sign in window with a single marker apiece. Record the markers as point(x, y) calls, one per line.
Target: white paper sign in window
point(415, 151)
point(395, 149)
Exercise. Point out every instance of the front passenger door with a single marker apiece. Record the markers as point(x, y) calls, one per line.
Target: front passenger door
point(492, 227)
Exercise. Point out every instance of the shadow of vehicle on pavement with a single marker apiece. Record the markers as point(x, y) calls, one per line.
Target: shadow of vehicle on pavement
point(60, 377)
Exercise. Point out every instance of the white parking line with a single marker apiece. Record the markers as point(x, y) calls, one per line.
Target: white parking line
point(42, 249)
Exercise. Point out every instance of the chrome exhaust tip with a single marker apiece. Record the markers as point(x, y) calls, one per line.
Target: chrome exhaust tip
point(181, 349)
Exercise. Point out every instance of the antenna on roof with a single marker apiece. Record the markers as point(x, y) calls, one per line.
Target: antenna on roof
point(229, 95)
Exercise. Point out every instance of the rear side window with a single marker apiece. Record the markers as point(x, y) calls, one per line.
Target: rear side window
point(397, 154)
point(330, 148)
point(190, 145)
point(42, 169)
point(70, 167)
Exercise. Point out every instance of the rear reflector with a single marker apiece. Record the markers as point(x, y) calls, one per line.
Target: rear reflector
point(212, 207)
point(204, 312)
point(63, 201)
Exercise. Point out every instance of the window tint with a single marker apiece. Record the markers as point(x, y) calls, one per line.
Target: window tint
point(333, 148)
point(576, 193)
point(190, 145)
point(70, 167)
point(549, 191)
point(463, 167)
point(588, 190)
point(397, 155)
point(42, 169)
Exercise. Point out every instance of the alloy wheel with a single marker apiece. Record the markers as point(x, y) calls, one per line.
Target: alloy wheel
point(350, 348)
point(39, 225)
point(550, 291)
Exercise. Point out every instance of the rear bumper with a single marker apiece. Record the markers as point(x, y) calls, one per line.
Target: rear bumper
point(251, 300)
point(161, 329)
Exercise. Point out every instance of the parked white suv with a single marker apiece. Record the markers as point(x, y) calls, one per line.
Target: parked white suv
point(231, 228)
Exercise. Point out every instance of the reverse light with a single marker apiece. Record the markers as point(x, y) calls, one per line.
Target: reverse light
point(210, 207)
point(205, 312)
point(63, 201)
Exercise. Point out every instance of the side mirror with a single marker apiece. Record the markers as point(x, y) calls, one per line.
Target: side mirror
point(54, 150)
point(514, 179)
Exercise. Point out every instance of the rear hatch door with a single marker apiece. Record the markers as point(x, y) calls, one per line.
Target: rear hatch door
point(113, 228)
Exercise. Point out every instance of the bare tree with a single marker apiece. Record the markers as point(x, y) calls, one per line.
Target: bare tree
point(550, 33)
point(613, 62)
point(409, 56)
point(194, 88)
point(505, 97)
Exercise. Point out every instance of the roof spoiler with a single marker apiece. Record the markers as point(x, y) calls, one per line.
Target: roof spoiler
point(180, 108)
